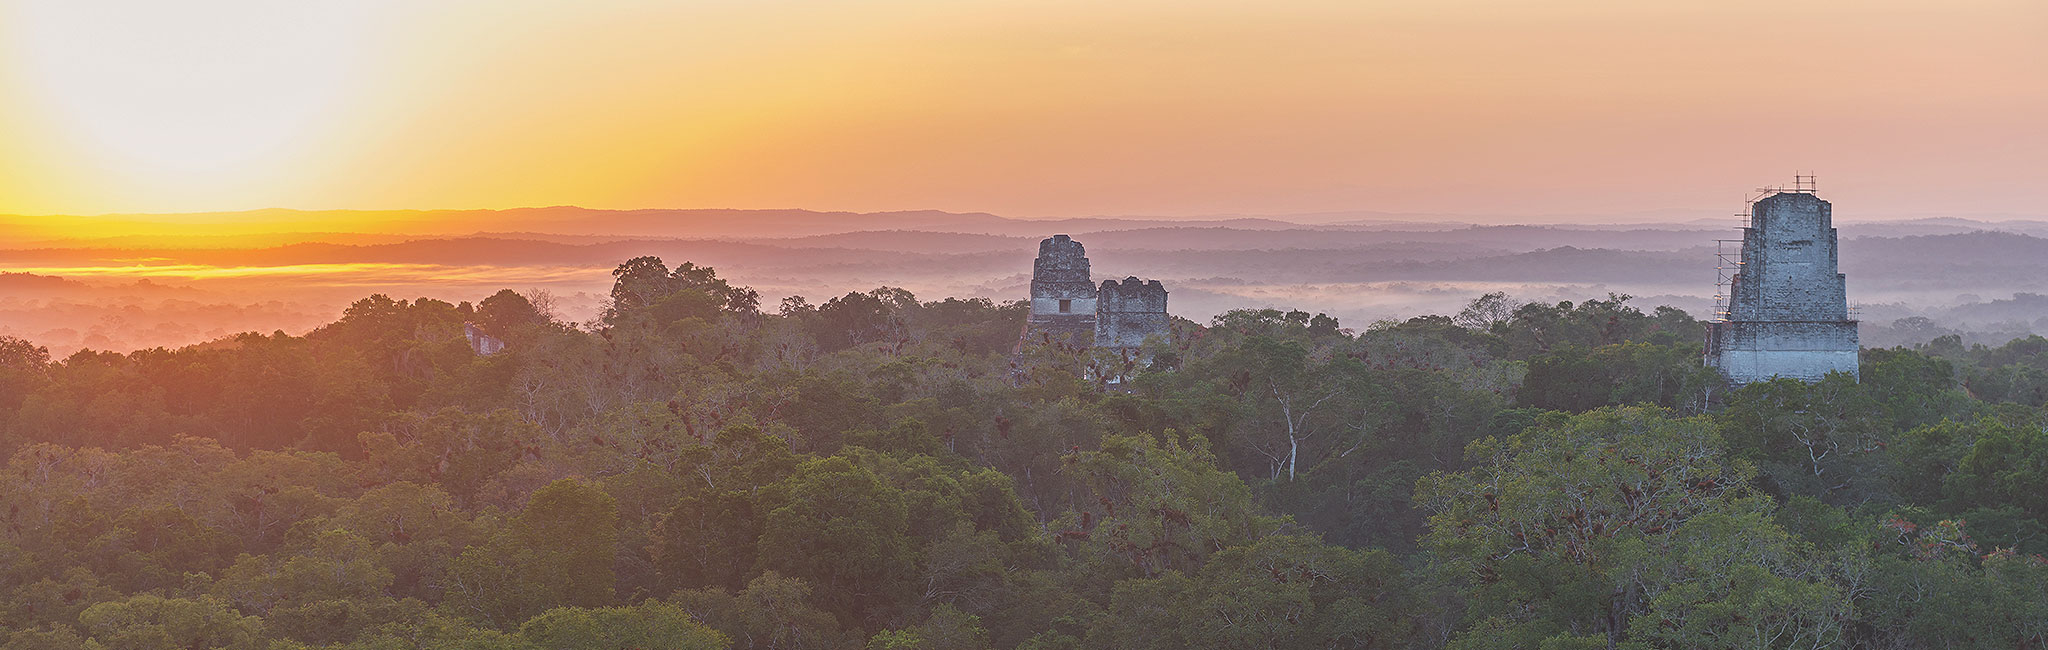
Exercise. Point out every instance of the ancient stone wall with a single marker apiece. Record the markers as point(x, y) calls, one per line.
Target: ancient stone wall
point(1128, 312)
point(482, 344)
point(1788, 263)
point(1788, 309)
point(1062, 297)
point(1756, 350)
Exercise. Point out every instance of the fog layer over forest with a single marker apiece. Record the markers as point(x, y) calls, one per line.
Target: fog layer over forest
point(1910, 280)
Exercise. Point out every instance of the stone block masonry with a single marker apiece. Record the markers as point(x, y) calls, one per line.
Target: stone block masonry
point(1062, 296)
point(1788, 309)
point(1066, 307)
point(1129, 312)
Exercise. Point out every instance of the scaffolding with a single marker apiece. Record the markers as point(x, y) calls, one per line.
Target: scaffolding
point(1729, 262)
point(1801, 184)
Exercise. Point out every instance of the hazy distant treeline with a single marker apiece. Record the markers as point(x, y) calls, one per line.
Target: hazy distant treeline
point(1961, 276)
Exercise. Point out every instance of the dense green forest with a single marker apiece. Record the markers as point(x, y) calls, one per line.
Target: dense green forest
point(695, 470)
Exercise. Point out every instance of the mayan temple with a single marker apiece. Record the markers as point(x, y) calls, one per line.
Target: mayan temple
point(1062, 297)
point(1067, 308)
point(1787, 306)
point(1128, 312)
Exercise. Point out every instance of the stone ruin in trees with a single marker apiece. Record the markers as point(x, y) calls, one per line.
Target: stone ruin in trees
point(482, 344)
point(1787, 309)
point(1068, 308)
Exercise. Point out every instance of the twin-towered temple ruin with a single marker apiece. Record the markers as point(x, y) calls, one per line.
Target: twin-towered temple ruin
point(1066, 306)
point(1787, 305)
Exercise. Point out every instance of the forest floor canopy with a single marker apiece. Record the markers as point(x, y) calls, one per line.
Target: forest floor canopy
point(694, 469)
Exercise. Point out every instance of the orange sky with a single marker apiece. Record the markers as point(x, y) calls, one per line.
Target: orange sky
point(1022, 107)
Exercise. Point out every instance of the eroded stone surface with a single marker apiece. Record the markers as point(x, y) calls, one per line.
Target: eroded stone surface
point(1128, 312)
point(1062, 297)
point(1067, 308)
point(1788, 308)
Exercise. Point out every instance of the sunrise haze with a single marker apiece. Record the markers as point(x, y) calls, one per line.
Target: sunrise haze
point(1026, 109)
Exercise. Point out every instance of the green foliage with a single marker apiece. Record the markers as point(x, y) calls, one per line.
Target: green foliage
point(559, 551)
point(1932, 586)
point(508, 314)
point(947, 629)
point(1624, 525)
point(771, 612)
point(22, 371)
point(877, 471)
point(150, 623)
point(433, 631)
point(335, 565)
point(1574, 379)
point(841, 528)
point(1824, 440)
point(1912, 389)
point(1282, 592)
point(1160, 505)
point(644, 290)
point(648, 626)
point(1536, 328)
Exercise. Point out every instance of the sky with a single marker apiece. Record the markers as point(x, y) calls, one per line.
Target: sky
point(1026, 108)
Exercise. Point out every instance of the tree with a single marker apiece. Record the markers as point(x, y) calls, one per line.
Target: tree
point(947, 629)
point(560, 550)
point(1160, 505)
point(772, 612)
point(152, 622)
point(1997, 485)
point(1931, 586)
point(639, 283)
point(335, 565)
point(507, 312)
point(644, 287)
point(708, 539)
point(652, 625)
point(1283, 591)
point(859, 318)
point(1826, 440)
point(1599, 528)
point(1488, 311)
point(840, 527)
point(1736, 580)
point(55, 637)
point(417, 531)
point(430, 630)
point(1570, 378)
point(22, 370)
point(1286, 391)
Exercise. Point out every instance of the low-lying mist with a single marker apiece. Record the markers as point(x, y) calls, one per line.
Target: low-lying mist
point(1911, 281)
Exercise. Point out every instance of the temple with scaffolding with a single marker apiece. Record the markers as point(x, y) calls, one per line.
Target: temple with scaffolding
point(1782, 308)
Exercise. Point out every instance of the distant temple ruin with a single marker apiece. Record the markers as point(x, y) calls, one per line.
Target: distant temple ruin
point(482, 344)
point(1127, 312)
point(1068, 308)
point(1062, 297)
point(1787, 307)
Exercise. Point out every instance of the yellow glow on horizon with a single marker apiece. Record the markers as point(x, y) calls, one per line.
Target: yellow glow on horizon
point(329, 275)
point(1019, 107)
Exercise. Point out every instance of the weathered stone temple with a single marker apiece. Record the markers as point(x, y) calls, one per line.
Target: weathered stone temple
point(1127, 312)
point(1067, 307)
point(1788, 308)
point(1062, 297)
